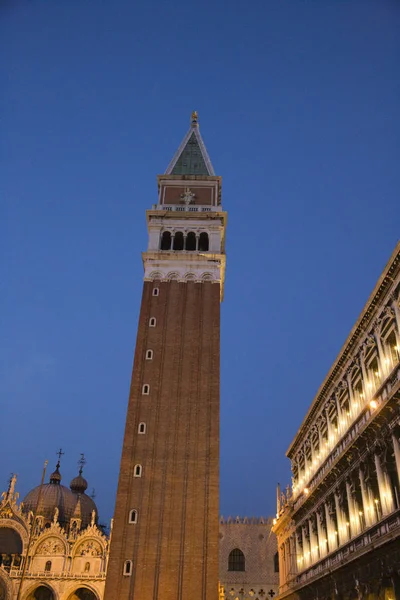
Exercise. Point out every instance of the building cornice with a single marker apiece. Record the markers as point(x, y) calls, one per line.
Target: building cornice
point(383, 286)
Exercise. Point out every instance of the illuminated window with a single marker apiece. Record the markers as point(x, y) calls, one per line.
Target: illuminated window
point(146, 389)
point(156, 292)
point(128, 568)
point(142, 428)
point(236, 560)
point(133, 516)
point(152, 322)
point(149, 354)
point(137, 471)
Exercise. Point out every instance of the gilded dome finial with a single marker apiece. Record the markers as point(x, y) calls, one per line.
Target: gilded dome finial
point(195, 118)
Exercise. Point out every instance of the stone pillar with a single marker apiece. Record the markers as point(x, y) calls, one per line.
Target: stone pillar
point(197, 241)
point(355, 525)
point(322, 535)
point(396, 447)
point(314, 550)
point(385, 490)
point(368, 504)
point(306, 547)
point(330, 529)
point(396, 309)
point(341, 520)
point(293, 554)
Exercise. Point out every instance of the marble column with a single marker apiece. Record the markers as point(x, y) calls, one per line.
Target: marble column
point(341, 519)
point(306, 546)
point(355, 526)
point(396, 447)
point(385, 489)
point(368, 503)
point(322, 535)
point(313, 540)
point(330, 528)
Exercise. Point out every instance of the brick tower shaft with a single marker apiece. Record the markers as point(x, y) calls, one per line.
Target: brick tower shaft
point(165, 535)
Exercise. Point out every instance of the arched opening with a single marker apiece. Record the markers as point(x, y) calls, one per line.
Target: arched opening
point(137, 471)
point(87, 567)
point(178, 240)
point(191, 241)
point(82, 594)
point(203, 242)
point(47, 566)
point(236, 560)
point(41, 593)
point(142, 428)
point(276, 562)
point(128, 567)
point(133, 516)
point(166, 240)
point(10, 548)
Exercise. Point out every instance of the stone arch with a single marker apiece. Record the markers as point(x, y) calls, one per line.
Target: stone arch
point(190, 277)
point(82, 591)
point(50, 543)
point(173, 276)
point(207, 277)
point(155, 276)
point(22, 532)
point(41, 591)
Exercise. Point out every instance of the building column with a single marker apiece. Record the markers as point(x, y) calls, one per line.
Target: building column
point(322, 535)
point(306, 547)
point(396, 447)
point(314, 549)
point(368, 504)
point(355, 526)
point(396, 309)
point(330, 528)
point(385, 490)
point(293, 554)
point(341, 520)
point(197, 241)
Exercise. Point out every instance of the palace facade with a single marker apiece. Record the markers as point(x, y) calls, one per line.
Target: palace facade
point(338, 526)
point(248, 559)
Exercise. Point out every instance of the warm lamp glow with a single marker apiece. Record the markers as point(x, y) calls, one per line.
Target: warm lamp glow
point(373, 404)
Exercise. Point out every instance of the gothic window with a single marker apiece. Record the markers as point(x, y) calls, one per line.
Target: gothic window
point(166, 240)
point(152, 322)
point(87, 567)
point(276, 562)
point(203, 242)
point(146, 389)
point(236, 560)
point(191, 241)
point(128, 568)
point(48, 566)
point(178, 240)
point(156, 292)
point(137, 471)
point(142, 428)
point(149, 354)
point(133, 516)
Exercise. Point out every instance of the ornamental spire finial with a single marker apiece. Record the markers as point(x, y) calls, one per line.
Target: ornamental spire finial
point(194, 119)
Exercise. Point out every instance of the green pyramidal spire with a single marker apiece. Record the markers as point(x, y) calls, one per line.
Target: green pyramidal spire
point(191, 157)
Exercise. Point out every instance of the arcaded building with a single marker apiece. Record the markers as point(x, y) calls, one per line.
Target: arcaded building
point(338, 527)
point(51, 547)
point(248, 559)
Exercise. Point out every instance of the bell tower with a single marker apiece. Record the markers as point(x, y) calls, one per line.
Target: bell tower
point(165, 536)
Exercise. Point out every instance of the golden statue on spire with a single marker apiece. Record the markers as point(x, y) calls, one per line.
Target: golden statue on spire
point(195, 117)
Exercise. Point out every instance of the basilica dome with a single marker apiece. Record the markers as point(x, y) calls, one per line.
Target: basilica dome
point(70, 502)
point(46, 498)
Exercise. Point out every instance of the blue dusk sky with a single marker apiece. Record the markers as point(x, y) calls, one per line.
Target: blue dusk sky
point(298, 105)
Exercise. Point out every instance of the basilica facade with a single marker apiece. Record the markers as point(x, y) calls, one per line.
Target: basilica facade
point(51, 547)
point(338, 526)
